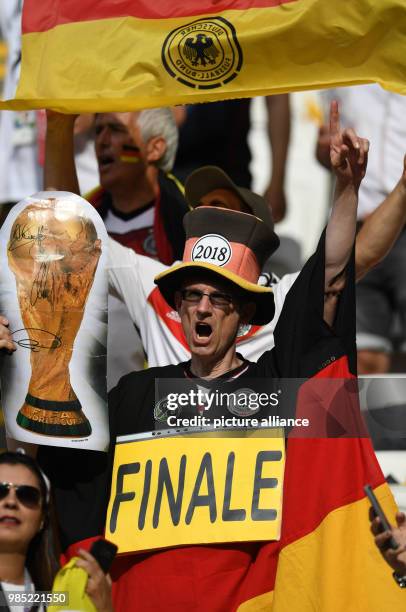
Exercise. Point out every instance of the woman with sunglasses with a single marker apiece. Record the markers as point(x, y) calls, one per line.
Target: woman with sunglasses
point(28, 556)
point(27, 549)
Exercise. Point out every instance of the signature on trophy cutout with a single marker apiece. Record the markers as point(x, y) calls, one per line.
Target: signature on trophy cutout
point(35, 345)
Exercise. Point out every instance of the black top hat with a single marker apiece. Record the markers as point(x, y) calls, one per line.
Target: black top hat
point(236, 252)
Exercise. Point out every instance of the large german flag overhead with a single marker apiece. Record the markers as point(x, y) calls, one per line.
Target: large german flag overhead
point(99, 55)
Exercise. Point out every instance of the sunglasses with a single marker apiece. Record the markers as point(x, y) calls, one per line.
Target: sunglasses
point(27, 495)
point(217, 299)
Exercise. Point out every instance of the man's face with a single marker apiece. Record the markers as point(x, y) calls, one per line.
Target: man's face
point(120, 150)
point(225, 198)
point(210, 328)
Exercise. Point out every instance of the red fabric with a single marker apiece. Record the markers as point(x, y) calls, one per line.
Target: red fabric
point(331, 461)
point(199, 578)
point(72, 551)
point(167, 315)
point(47, 14)
point(252, 330)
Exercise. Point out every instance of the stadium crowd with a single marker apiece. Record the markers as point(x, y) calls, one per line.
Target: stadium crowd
point(162, 179)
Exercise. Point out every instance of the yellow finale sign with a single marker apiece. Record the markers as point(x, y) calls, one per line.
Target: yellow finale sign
point(196, 489)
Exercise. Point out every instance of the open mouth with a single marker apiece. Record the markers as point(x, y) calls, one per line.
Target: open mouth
point(9, 520)
point(105, 161)
point(203, 330)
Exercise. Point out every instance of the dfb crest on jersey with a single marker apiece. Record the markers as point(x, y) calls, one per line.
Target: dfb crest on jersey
point(162, 412)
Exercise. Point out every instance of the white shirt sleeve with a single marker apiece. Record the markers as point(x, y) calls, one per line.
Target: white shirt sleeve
point(131, 278)
point(280, 291)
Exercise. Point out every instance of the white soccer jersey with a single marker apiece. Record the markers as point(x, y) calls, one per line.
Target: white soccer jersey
point(131, 278)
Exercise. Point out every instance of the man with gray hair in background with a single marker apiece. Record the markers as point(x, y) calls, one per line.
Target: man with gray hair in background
point(140, 202)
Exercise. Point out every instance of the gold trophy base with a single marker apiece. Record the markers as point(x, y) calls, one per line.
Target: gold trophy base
point(53, 418)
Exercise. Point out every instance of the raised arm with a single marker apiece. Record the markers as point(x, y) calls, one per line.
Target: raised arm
point(59, 169)
point(381, 228)
point(348, 154)
point(278, 132)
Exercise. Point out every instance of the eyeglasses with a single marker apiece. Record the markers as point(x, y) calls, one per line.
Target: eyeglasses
point(216, 299)
point(27, 495)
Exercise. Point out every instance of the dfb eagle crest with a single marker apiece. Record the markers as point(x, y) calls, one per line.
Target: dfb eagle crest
point(200, 49)
point(203, 54)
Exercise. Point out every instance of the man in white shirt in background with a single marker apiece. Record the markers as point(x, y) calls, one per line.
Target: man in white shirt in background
point(381, 295)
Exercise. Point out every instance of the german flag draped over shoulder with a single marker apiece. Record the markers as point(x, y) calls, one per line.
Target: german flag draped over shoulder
point(105, 55)
point(326, 559)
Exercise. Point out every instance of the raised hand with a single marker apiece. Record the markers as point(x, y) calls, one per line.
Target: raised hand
point(348, 152)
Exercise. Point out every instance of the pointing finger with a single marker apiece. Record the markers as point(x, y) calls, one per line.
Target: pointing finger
point(334, 119)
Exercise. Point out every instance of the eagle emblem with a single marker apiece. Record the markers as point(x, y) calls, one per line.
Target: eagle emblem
point(200, 49)
point(203, 54)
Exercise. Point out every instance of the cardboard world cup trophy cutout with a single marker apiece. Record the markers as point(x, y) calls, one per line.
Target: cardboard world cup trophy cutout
point(54, 293)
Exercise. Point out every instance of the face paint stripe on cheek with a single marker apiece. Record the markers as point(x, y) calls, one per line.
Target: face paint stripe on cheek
point(131, 154)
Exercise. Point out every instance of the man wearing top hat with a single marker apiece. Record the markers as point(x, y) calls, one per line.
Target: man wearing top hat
point(215, 291)
point(131, 276)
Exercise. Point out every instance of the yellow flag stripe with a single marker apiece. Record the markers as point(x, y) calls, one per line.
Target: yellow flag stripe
point(116, 64)
point(336, 567)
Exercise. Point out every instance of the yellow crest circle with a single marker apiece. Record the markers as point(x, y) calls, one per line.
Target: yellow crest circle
point(203, 54)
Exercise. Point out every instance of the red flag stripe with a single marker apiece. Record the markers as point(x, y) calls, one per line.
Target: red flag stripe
point(54, 12)
point(164, 311)
point(330, 461)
